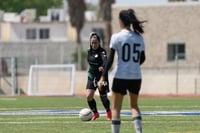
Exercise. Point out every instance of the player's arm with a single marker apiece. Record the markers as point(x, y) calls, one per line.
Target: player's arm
point(104, 60)
point(142, 57)
point(108, 65)
point(109, 62)
point(88, 54)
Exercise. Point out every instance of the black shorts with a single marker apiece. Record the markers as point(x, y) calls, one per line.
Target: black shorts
point(124, 85)
point(92, 84)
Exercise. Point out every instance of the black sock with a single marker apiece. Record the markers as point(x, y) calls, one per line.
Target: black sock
point(92, 105)
point(106, 102)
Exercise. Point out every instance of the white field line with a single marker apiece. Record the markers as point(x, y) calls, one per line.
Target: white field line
point(76, 112)
point(177, 106)
point(41, 118)
point(90, 122)
point(36, 122)
point(46, 108)
point(78, 107)
point(8, 99)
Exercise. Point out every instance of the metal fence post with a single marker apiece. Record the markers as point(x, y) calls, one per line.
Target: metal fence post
point(177, 74)
point(13, 75)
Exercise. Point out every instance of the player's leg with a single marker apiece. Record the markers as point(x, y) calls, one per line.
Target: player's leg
point(105, 101)
point(90, 98)
point(133, 94)
point(92, 103)
point(117, 99)
point(137, 118)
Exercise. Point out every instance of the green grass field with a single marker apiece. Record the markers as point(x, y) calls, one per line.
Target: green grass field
point(64, 123)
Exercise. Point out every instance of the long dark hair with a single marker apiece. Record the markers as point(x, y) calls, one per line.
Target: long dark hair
point(92, 34)
point(128, 17)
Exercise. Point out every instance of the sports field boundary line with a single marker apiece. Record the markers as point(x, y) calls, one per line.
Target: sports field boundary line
point(141, 96)
point(123, 112)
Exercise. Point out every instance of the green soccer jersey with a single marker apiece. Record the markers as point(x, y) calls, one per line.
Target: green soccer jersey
point(96, 59)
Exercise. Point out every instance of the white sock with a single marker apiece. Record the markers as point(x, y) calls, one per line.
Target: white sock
point(115, 127)
point(138, 124)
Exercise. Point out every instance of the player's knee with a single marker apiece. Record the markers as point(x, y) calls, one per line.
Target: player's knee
point(89, 94)
point(89, 97)
point(104, 98)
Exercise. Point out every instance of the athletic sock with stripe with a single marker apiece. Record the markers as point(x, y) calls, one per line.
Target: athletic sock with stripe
point(115, 127)
point(137, 120)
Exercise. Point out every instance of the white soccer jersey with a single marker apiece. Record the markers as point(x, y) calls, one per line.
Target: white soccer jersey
point(128, 46)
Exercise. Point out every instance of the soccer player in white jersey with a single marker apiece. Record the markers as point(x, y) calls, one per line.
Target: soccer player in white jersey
point(130, 48)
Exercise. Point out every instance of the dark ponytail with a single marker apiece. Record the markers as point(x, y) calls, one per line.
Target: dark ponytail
point(128, 17)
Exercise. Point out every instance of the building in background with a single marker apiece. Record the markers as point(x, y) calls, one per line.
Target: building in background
point(171, 37)
point(53, 27)
point(172, 47)
point(172, 31)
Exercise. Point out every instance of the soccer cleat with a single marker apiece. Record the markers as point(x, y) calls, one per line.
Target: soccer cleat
point(109, 116)
point(95, 115)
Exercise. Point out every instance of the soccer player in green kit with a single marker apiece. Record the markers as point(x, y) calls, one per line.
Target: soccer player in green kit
point(97, 59)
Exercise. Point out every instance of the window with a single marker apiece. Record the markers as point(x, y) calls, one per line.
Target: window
point(31, 34)
point(176, 50)
point(44, 33)
point(54, 15)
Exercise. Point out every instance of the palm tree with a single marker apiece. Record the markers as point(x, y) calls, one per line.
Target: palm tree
point(106, 9)
point(76, 11)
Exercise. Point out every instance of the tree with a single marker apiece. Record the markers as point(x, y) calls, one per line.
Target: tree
point(77, 18)
point(77, 15)
point(19, 5)
point(106, 8)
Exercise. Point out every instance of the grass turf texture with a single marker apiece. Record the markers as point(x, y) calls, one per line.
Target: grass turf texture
point(72, 124)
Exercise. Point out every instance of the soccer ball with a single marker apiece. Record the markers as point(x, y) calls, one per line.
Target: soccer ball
point(85, 114)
